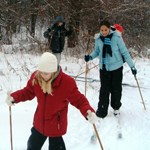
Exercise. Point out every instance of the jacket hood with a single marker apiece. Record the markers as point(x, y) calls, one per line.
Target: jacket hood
point(59, 19)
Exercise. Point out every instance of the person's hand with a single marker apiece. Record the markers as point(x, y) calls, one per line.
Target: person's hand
point(134, 70)
point(10, 100)
point(91, 116)
point(87, 58)
point(70, 27)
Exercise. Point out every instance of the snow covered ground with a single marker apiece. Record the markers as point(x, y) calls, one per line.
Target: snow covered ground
point(134, 120)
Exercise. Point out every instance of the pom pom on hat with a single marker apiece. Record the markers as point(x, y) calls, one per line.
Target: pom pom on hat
point(118, 27)
point(47, 63)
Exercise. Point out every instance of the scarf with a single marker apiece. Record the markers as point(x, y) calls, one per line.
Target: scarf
point(107, 44)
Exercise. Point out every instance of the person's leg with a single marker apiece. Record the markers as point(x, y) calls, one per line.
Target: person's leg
point(104, 94)
point(58, 56)
point(36, 140)
point(56, 143)
point(116, 88)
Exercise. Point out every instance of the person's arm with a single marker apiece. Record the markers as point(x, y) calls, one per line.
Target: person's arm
point(47, 33)
point(124, 52)
point(78, 100)
point(69, 31)
point(27, 93)
point(126, 55)
point(94, 54)
point(96, 51)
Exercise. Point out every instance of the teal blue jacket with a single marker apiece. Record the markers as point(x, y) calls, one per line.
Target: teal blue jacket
point(118, 50)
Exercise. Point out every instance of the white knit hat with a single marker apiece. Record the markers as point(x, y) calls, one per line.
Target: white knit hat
point(47, 63)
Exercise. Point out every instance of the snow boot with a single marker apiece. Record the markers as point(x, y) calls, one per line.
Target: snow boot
point(116, 112)
point(101, 114)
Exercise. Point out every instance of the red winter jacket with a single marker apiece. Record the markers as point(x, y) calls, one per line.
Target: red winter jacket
point(50, 117)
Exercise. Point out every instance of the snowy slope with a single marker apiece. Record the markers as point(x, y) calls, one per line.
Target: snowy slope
point(134, 120)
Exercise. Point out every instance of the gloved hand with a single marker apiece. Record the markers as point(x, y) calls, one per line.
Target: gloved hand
point(10, 100)
point(134, 70)
point(70, 27)
point(91, 116)
point(87, 58)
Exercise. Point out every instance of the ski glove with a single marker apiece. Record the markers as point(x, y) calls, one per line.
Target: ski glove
point(134, 70)
point(10, 100)
point(87, 58)
point(91, 116)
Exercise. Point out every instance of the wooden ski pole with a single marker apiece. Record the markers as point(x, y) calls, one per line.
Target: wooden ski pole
point(98, 137)
point(140, 92)
point(86, 65)
point(10, 120)
point(84, 71)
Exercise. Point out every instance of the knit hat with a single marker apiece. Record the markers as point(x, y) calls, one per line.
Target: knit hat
point(47, 63)
point(118, 27)
point(59, 19)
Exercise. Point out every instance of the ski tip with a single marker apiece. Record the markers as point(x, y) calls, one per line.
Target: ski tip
point(93, 139)
point(120, 136)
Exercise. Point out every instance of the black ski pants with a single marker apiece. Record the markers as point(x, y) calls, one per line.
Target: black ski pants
point(36, 141)
point(111, 83)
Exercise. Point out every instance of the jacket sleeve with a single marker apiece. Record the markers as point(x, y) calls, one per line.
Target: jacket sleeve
point(47, 33)
point(27, 93)
point(69, 31)
point(78, 100)
point(124, 52)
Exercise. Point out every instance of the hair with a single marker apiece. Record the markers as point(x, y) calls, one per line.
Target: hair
point(45, 86)
point(105, 23)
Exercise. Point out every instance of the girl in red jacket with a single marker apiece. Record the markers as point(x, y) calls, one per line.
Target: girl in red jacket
point(54, 90)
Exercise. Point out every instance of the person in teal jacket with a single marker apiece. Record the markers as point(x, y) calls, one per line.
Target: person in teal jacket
point(110, 49)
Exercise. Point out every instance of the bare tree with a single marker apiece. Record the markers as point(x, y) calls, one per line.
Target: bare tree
point(83, 15)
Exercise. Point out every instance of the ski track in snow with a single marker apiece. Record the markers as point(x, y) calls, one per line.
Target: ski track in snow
point(134, 120)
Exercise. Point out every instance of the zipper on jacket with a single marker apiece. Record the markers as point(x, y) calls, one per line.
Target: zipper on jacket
point(58, 119)
point(58, 33)
point(45, 95)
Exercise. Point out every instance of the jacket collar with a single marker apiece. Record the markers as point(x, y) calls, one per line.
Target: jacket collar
point(58, 77)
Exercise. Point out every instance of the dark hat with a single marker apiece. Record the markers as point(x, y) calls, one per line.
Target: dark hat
point(59, 19)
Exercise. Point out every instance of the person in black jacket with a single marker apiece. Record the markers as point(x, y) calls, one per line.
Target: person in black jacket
point(56, 36)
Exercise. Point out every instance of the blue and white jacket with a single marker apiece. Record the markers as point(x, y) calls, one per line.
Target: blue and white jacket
point(118, 50)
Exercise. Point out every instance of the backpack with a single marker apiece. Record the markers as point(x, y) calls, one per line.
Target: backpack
point(118, 28)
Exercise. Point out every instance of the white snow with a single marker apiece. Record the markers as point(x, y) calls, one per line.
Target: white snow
point(15, 69)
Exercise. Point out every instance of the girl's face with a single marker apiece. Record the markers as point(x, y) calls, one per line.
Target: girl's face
point(60, 23)
point(104, 30)
point(46, 76)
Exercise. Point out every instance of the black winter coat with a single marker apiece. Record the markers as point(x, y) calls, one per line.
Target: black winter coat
point(56, 36)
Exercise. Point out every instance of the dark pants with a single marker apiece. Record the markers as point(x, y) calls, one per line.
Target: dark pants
point(111, 83)
point(36, 141)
